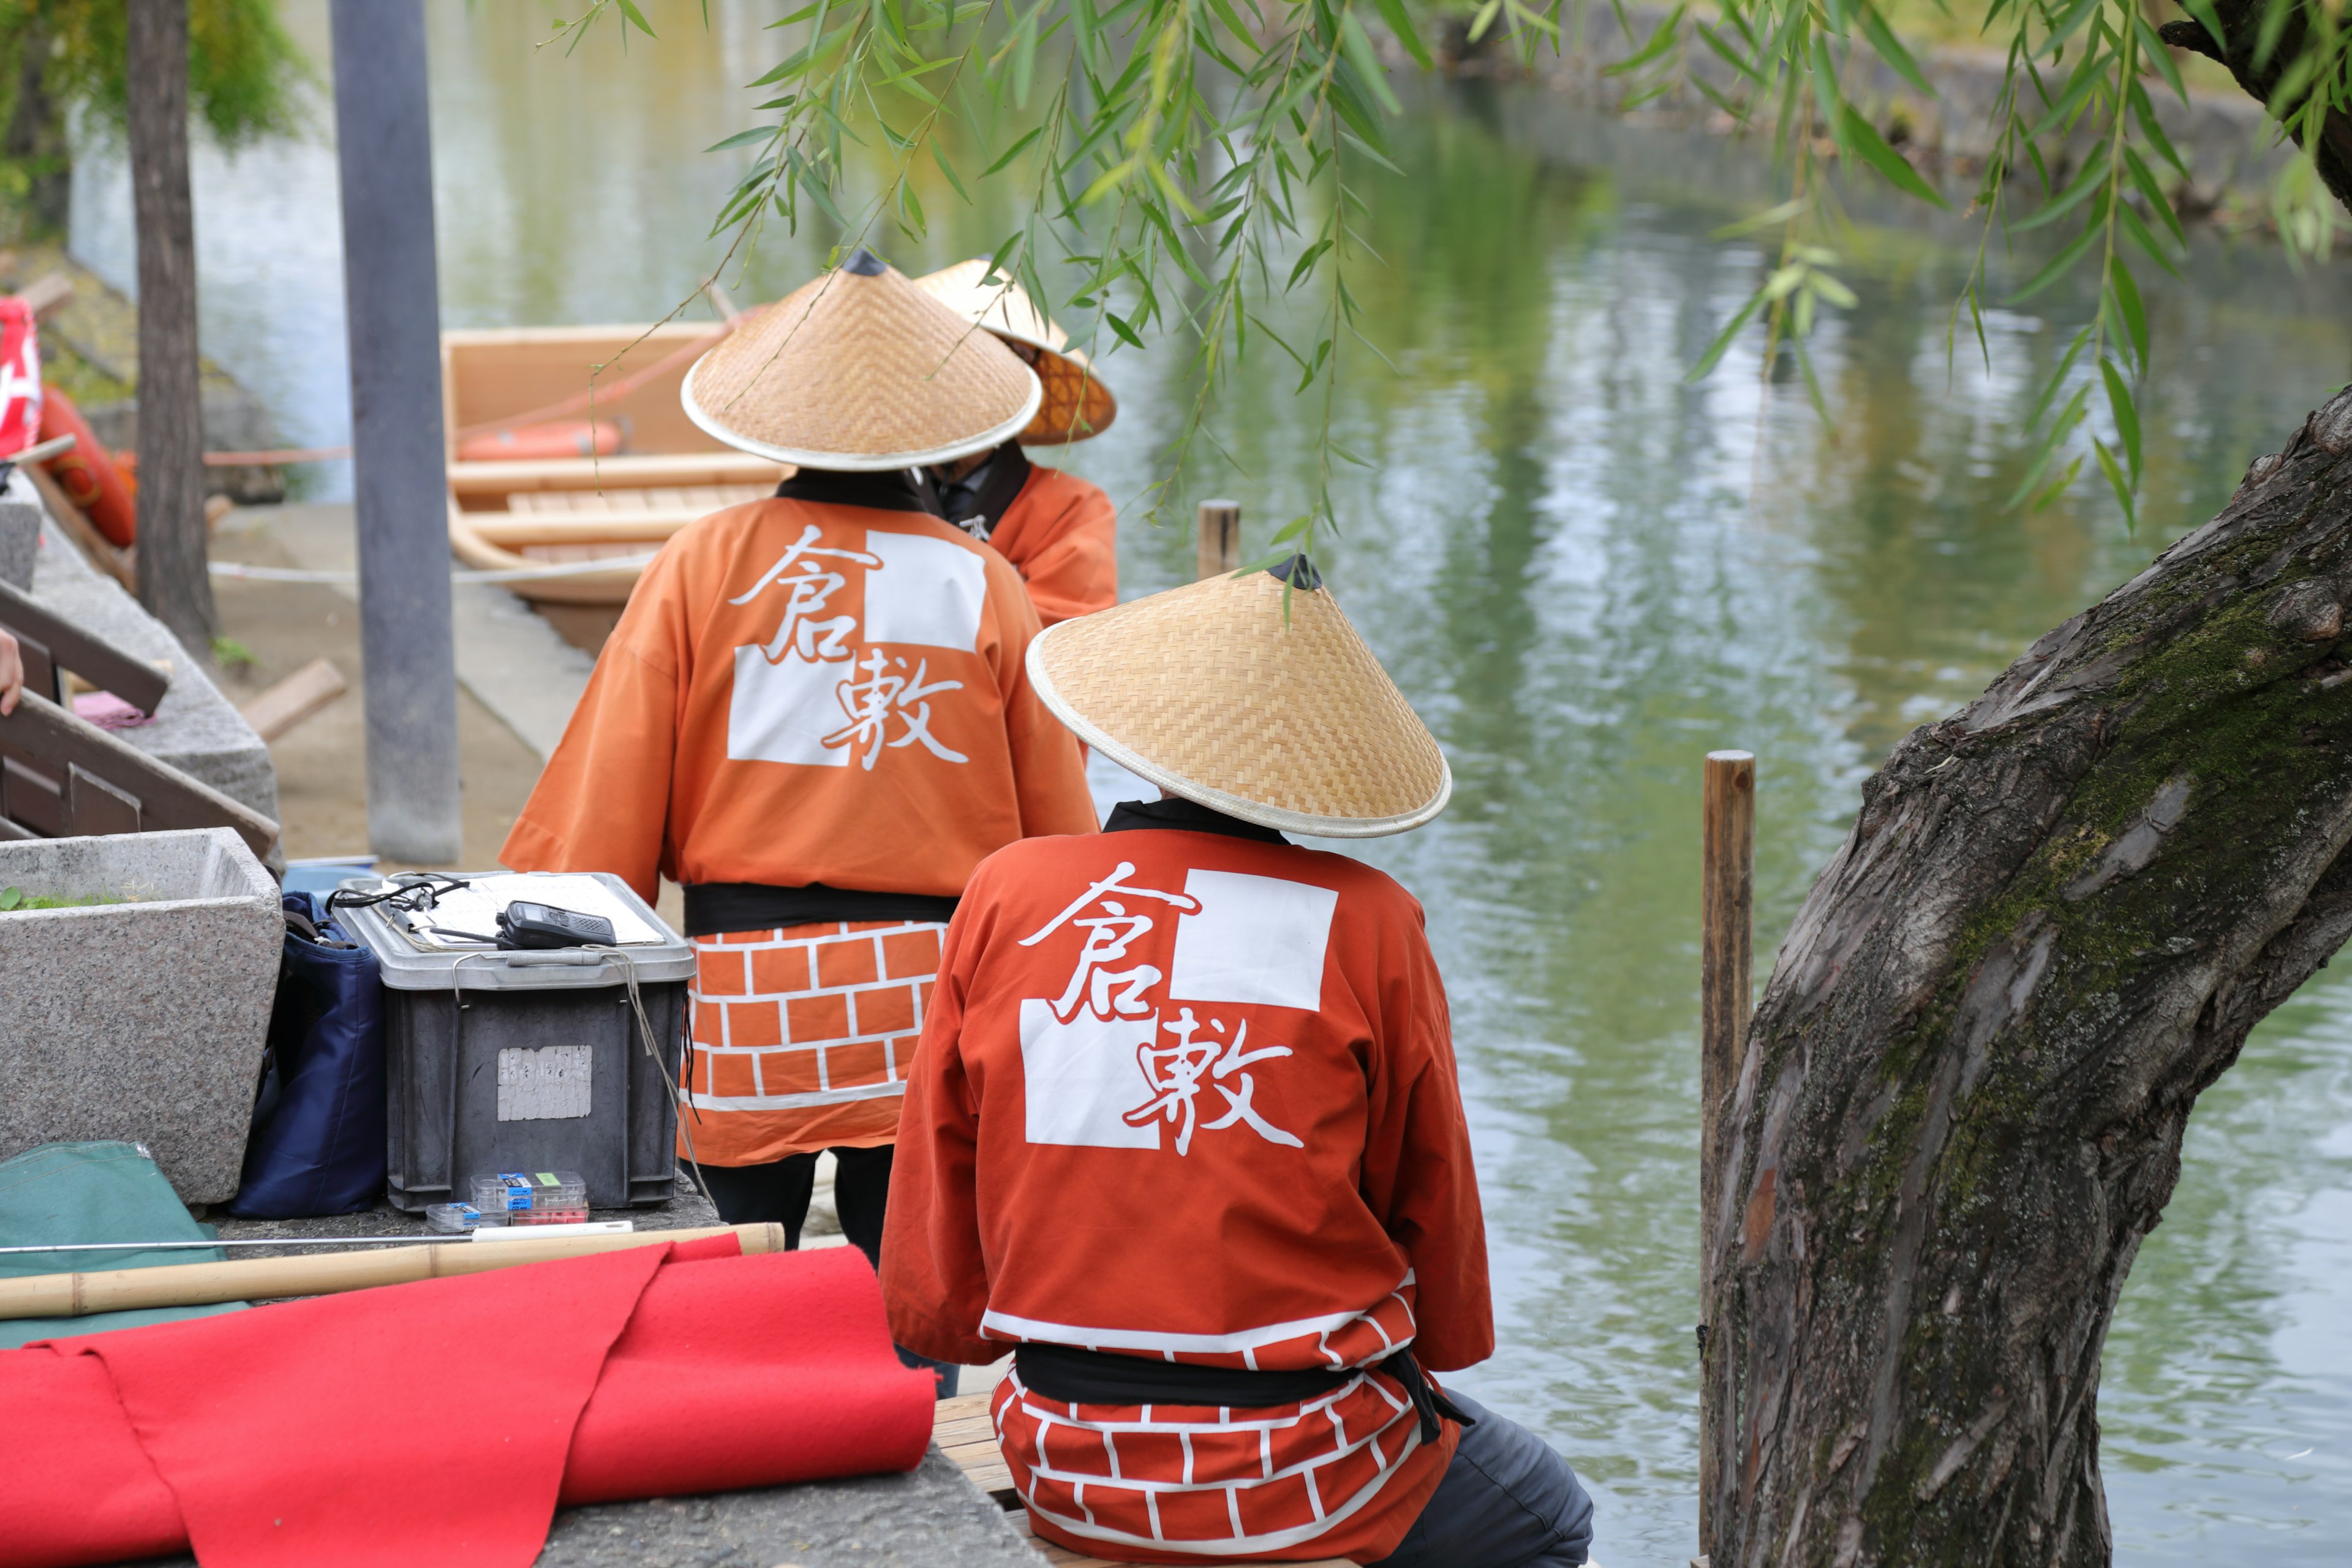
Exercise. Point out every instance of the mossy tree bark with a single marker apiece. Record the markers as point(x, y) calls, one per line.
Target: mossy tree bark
point(175, 580)
point(1960, 1104)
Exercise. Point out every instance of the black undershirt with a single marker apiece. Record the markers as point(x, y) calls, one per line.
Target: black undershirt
point(1002, 479)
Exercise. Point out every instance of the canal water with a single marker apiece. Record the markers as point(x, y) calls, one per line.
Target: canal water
point(1586, 573)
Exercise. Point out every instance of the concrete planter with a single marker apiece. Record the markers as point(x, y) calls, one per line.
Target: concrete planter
point(142, 1020)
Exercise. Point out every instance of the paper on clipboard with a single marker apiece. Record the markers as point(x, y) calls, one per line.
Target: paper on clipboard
point(474, 909)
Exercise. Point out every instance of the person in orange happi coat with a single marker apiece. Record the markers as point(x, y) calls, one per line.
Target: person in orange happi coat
point(815, 714)
point(1185, 1130)
point(1060, 533)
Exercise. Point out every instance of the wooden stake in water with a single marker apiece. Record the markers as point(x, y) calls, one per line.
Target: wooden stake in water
point(1727, 908)
point(1221, 537)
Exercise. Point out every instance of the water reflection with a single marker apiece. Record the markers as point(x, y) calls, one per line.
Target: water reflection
point(1586, 573)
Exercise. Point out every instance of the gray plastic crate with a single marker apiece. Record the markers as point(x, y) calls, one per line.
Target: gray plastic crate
point(528, 1061)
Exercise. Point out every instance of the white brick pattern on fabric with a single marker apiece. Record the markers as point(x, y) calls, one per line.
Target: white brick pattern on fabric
point(785, 1020)
point(1219, 1482)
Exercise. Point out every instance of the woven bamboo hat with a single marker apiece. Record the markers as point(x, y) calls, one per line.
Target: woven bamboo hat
point(1077, 404)
point(1206, 691)
point(858, 369)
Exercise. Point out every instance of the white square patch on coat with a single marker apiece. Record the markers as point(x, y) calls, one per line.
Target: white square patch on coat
point(927, 591)
point(1256, 940)
point(783, 713)
point(1081, 1078)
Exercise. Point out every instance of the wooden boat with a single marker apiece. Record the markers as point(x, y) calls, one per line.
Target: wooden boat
point(512, 514)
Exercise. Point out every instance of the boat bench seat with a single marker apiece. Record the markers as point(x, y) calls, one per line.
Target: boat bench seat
point(634, 500)
point(962, 1431)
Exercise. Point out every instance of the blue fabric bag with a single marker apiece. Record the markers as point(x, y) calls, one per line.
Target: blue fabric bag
point(318, 1142)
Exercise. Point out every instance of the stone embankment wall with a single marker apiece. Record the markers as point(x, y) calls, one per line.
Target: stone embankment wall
point(2225, 138)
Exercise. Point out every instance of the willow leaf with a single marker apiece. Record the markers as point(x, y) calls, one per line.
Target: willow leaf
point(1864, 139)
point(2125, 411)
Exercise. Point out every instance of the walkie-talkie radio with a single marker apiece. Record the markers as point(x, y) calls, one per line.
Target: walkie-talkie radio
point(539, 926)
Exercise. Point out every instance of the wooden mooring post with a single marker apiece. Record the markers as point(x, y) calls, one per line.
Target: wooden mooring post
point(1726, 959)
point(1221, 537)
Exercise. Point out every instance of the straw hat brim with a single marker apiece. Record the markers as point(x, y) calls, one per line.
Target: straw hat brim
point(862, 462)
point(1074, 405)
point(1386, 712)
point(1077, 405)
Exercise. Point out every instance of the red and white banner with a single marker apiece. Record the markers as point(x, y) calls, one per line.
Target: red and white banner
point(20, 377)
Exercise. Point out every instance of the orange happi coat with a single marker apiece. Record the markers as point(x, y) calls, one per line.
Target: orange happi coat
point(1061, 533)
point(802, 691)
point(1188, 1095)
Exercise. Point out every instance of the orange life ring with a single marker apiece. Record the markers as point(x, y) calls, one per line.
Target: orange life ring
point(556, 438)
point(87, 474)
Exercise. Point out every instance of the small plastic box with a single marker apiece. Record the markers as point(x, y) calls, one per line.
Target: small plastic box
point(460, 1219)
point(523, 1197)
point(550, 1216)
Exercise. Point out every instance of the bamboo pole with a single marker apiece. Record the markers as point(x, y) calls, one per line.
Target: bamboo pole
point(321, 1273)
point(1727, 937)
point(1221, 537)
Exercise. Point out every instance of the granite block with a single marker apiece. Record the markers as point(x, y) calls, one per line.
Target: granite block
point(142, 1020)
point(928, 1517)
point(20, 533)
point(931, 1517)
point(197, 729)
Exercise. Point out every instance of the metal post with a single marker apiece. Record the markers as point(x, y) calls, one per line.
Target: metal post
point(392, 306)
point(1726, 939)
point(1221, 537)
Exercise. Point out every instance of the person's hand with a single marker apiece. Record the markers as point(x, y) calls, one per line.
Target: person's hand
point(12, 675)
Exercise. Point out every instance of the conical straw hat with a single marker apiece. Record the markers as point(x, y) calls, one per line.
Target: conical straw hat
point(860, 369)
point(1205, 691)
point(1077, 404)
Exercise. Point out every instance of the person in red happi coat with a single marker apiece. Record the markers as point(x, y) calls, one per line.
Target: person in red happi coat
point(1184, 1128)
point(1060, 531)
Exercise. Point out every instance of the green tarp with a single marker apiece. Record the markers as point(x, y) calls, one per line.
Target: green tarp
point(85, 1193)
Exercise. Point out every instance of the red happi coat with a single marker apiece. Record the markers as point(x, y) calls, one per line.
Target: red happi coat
point(1190, 1095)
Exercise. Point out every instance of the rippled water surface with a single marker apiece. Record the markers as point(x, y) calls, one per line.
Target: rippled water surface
point(1586, 574)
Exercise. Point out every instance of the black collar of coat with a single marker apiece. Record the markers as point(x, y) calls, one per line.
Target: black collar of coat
point(893, 490)
point(1187, 816)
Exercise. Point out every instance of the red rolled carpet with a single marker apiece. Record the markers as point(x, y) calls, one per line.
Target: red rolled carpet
point(439, 1422)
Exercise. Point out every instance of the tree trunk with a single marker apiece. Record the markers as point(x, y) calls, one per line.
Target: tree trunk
point(2262, 71)
point(1962, 1102)
point(173, 580)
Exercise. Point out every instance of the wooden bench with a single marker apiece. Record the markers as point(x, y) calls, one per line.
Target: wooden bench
point(963, 1432)
point(64, 777)
point(50, 645)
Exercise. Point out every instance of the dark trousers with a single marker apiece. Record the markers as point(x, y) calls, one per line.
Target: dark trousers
point(778, 1193)
point(1506, 1502)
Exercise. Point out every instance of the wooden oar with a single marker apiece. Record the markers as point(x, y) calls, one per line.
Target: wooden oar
point(268, 1279)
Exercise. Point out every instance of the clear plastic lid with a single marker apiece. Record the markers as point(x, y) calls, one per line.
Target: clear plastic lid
point(523, 1192)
